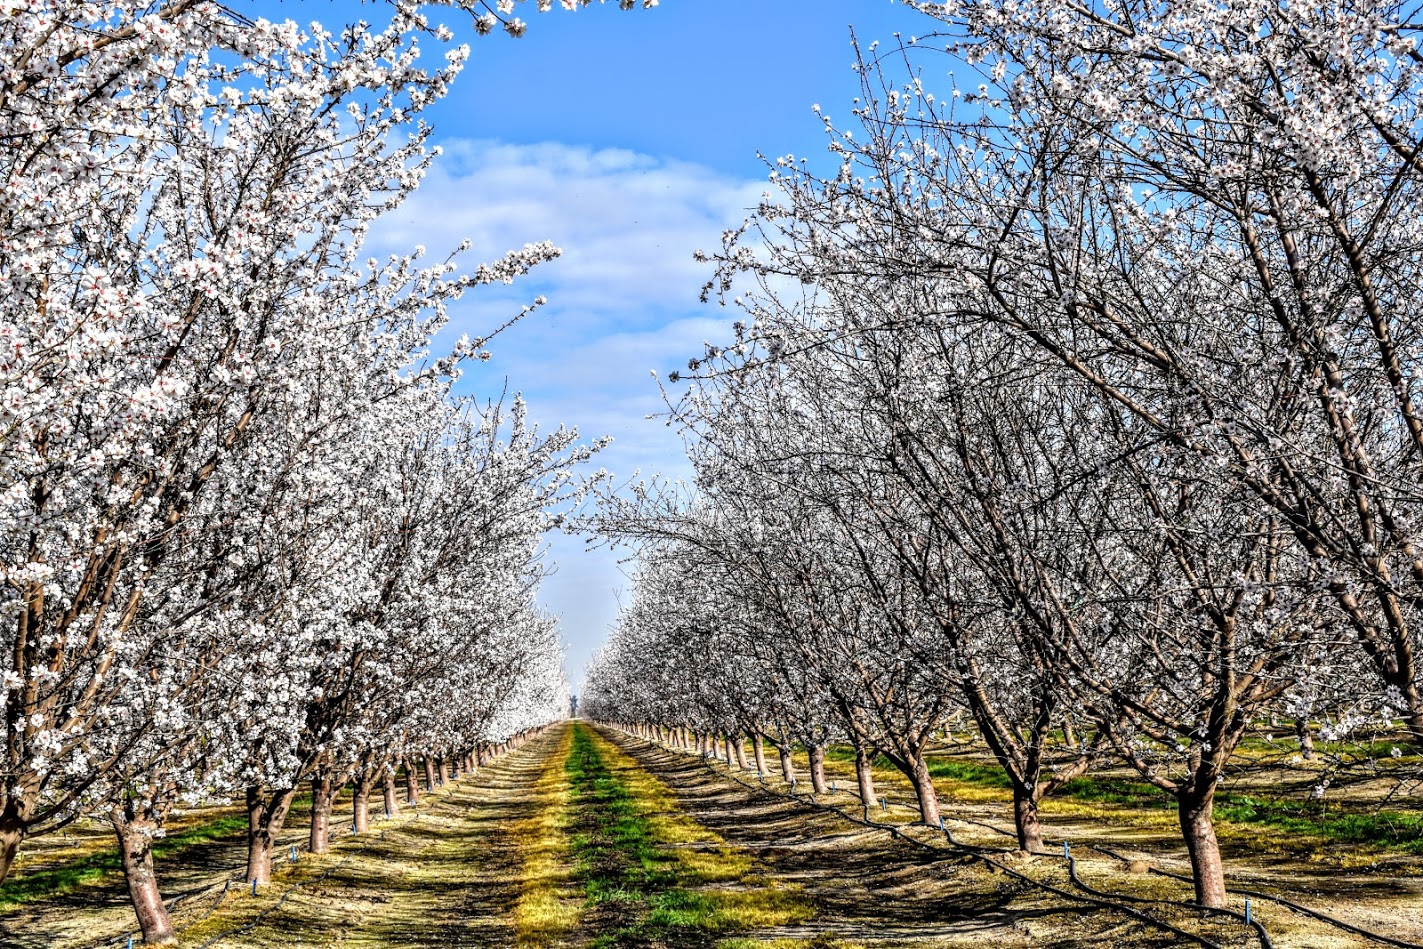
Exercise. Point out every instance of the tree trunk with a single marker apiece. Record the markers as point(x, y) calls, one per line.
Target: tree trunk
point(392, 806)
point(412, 784)
point(817, 769)
point(1195, 807)
point(738, 746)
point(758, 751)
point(430, 774)
point(12, 834)
point(1025, 819)
point(444, 771)
point(924, 791)
point(1306, 740)
point(864, 776)
point(136, 855)
point(726, 747)
point(787, 763)
point(322, 798)
point(265, 817)
point(360, 803)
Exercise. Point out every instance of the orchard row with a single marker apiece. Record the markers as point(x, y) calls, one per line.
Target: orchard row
point(1082, 401)
point(251, 540)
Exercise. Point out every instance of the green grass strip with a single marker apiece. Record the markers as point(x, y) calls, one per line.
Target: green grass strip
point(618, 859)
point(1384, 829)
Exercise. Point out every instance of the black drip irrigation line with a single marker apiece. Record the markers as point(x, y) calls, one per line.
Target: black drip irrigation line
point(1304, 910)
point(415, 814)
point(1098, 898)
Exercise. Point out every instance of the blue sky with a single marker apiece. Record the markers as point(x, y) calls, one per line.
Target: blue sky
point(629, 139)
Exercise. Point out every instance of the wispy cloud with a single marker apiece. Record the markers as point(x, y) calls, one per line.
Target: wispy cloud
point(623, 301)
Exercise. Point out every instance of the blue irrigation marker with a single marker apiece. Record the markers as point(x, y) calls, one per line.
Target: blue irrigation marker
point(293, 853)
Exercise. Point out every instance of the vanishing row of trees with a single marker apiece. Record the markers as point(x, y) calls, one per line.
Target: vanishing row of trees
point(250, 538)
point(1081, 400)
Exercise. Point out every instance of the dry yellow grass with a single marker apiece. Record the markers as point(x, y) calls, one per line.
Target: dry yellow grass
point(549, 904)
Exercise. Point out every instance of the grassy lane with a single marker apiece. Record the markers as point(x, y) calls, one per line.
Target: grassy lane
point(447, 876)
point(650, 874)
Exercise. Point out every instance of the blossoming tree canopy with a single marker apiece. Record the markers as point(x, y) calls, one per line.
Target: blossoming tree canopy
point(1078, 393)
point(212, 408)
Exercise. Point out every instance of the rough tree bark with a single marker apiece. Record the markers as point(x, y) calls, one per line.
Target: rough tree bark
point(1306, 740)
point(924, 791)
point(392, 805)
point(12, 834)
point(863, 775)
point(266, 814)
point(758, 750)
point(787, 762)
point(817, 769)
point(1195, 806)
point(322, 797)
point(136, 837)
point(360, 806)
point(1025, 818)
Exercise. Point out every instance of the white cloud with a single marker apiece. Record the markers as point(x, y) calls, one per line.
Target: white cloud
point(623, 300)
point(627, 223)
